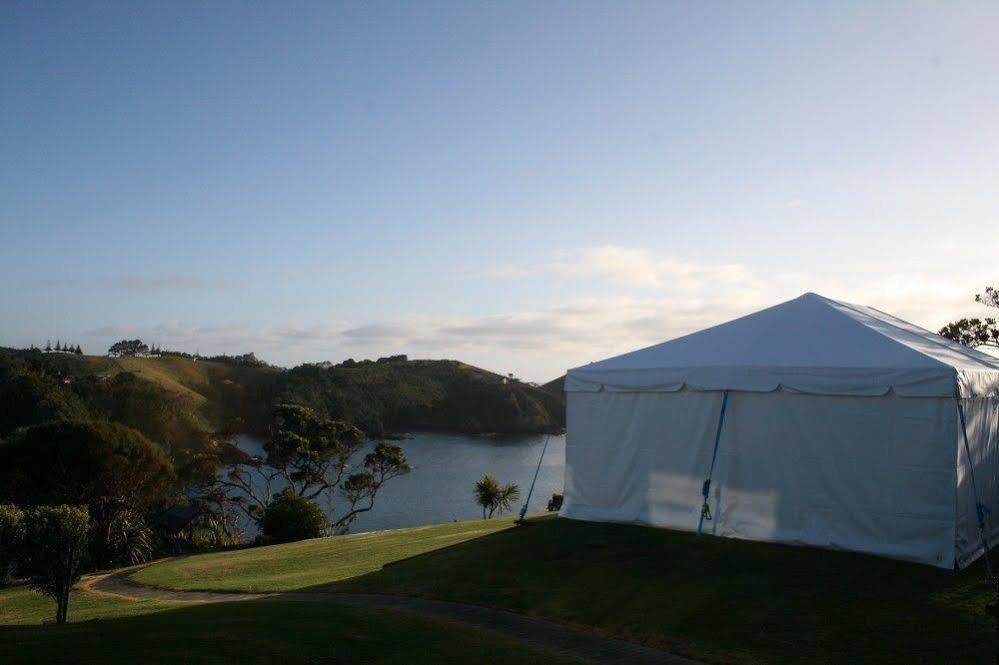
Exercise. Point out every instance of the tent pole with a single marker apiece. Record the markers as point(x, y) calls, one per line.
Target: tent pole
point(523, 511)
point(980, 508)
point(706, 488)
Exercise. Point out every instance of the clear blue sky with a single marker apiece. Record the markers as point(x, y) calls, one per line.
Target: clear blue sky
point(526, 186)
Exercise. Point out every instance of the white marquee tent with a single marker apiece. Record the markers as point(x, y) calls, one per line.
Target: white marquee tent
point(814, 422)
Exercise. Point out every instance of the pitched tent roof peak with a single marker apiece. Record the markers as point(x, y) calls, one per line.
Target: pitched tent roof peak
point(809, 344)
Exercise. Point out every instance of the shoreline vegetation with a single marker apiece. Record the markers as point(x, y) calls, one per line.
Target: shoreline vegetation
point(179, 400)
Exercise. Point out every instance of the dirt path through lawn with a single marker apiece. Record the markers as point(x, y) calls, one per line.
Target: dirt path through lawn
point(564, 640)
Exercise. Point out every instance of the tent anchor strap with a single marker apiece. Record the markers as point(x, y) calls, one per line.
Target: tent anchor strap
point(706, 488)
point(980, 508)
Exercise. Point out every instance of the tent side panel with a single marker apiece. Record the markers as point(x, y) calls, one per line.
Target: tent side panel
point(638, 457)
point(982, 418)
point(869, 474)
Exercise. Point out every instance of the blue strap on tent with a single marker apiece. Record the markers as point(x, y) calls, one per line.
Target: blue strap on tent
point(706, 488)
point(523, 511)
point(980, 508)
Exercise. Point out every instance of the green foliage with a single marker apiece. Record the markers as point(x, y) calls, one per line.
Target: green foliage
point(214, 528)
point(54, 552)
point(11, 539)
point(976, 332)
point(30, 395)
point(126, 348)
point(109, 468)
point(130, 539)
point(494, 497)
point(289, 517)
point(397, 394)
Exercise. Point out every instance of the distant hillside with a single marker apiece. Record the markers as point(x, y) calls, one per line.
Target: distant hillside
point(393, 395)
point(174, 401)
point(177, 400)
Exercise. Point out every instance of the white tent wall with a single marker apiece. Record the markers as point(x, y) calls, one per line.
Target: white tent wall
point(982, 419)
point(869, 474)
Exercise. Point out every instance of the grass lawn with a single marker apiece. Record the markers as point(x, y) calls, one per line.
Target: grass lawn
point(109, 630)
point(310, 563)
point(717, 598)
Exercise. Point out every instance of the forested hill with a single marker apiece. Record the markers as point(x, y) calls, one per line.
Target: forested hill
point(176, 400)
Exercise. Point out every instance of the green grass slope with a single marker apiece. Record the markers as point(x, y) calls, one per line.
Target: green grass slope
point(173, 401)
point(716, 599)
point(111, 630)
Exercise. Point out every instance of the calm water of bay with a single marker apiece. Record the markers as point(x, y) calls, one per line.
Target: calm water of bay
point(445, 468)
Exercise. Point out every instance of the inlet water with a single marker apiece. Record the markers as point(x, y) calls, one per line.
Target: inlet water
point(445, 468)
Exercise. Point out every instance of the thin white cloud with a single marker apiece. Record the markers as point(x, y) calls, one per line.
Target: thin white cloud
point(629, 266)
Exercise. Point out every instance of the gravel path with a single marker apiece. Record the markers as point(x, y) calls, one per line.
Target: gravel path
point(571, 642)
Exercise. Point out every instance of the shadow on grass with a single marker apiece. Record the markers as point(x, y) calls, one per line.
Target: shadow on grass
point(262, 631)
point(709, 598)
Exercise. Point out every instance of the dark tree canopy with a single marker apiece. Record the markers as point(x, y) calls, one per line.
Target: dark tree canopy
point(107, 467)
point(128, 348)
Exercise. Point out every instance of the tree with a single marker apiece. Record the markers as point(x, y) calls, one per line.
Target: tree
point(977, 332)
point(127, 348)
point(78, 350)
point(494, 497)
point(54, 552)
point(48, 346)
point(58, 346)
point(11, 539)
point(289, 517)
point(311, 457)
point(107, 467)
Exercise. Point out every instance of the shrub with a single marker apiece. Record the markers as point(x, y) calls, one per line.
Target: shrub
point(289, 517)
point(11, 539)
point(555, 503)
point(130, 540)
point(54, 552)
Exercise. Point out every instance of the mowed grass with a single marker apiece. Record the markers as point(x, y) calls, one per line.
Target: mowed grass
point(110, 630)
point(178, 375)
point(310, 563)
point(715, 599)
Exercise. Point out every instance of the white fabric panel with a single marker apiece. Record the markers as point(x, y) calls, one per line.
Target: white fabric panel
point(809, 345)
point(869, 474)
point(982, 417)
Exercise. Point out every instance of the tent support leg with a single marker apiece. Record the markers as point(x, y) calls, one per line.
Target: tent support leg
point(980, 508)
point(706, 488)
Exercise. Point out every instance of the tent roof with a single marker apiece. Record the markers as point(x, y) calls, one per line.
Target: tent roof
point(811, 344)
